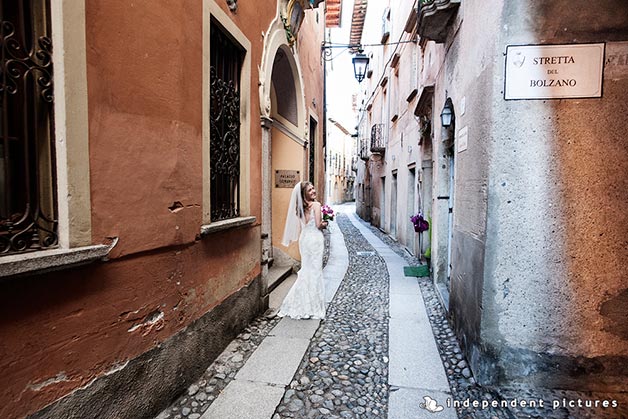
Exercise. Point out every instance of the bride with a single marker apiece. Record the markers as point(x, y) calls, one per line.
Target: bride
point(306, 298)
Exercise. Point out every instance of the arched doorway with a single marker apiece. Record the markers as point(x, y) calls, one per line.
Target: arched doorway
point(284, 161)
point(288, 157)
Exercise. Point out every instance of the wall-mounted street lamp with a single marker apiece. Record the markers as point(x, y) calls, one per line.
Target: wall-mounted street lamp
point(360, 60)
point(360, 65)
point(447, 115)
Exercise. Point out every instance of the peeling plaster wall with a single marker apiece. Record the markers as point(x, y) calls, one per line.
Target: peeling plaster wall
point(145, 122)
point(164, 293)
point(60, 331)
point(539, 289)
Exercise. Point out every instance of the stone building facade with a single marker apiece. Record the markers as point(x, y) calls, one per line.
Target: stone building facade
point(341, 162)
point(526, 195)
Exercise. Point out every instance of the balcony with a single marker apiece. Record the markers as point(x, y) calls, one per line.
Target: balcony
point(354, 164)
point(378, 139)
point(434, 18)
point(385, 26)
point(364, 149)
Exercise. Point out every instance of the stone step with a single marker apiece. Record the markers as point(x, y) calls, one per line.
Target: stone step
point(276, 275)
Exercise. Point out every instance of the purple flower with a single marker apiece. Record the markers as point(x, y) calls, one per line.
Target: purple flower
point(420, 223)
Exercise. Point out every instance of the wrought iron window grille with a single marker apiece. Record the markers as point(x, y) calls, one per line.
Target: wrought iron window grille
point(225, 68)
point(28, 202)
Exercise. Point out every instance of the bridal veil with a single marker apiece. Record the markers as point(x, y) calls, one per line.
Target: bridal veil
point(295, 217)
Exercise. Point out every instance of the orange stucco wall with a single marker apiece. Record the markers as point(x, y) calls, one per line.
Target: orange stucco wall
point(144, 79)
point(59, 331)
point(287, 155)
point(62, 330)
point(310, 39)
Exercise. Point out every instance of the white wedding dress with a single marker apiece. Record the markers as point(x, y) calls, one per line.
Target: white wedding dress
point(306, 298)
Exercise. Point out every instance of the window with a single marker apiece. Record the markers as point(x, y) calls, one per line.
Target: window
point(296, 17)
point(226, 57)
point(52, 157)
point(385, 25)
point(28, 210)
point(226, 159)
point(394, 96)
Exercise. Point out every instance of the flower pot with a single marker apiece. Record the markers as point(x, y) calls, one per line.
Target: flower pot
point(421, 226)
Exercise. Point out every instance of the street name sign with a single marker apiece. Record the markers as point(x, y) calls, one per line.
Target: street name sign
point(554, 71)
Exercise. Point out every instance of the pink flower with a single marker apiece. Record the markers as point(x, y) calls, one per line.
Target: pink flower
point(328, 213)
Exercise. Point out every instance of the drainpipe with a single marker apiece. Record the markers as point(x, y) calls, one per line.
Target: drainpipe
point(325, 192)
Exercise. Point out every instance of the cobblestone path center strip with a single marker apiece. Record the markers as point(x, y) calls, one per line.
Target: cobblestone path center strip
point(344, 373)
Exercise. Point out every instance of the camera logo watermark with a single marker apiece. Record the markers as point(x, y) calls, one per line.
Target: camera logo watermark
point(431, 405)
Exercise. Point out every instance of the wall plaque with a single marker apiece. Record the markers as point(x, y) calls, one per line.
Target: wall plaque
point(554, 71)
point(287, 178)
point(462, 139)
point(616, 61)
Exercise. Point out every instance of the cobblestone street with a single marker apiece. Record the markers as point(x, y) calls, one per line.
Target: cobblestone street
point(346, 371)
point(173, 173)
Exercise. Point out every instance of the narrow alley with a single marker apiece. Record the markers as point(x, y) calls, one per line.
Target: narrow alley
point(475, 154)
point(385, 350)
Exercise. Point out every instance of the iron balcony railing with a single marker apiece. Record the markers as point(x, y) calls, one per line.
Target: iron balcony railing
point(364, 148)
point(378, 138)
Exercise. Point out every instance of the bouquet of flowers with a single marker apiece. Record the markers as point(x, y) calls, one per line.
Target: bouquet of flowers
point(328, 213)
point(420, 223)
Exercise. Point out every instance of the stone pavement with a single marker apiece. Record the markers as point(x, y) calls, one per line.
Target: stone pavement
point(384, 346)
